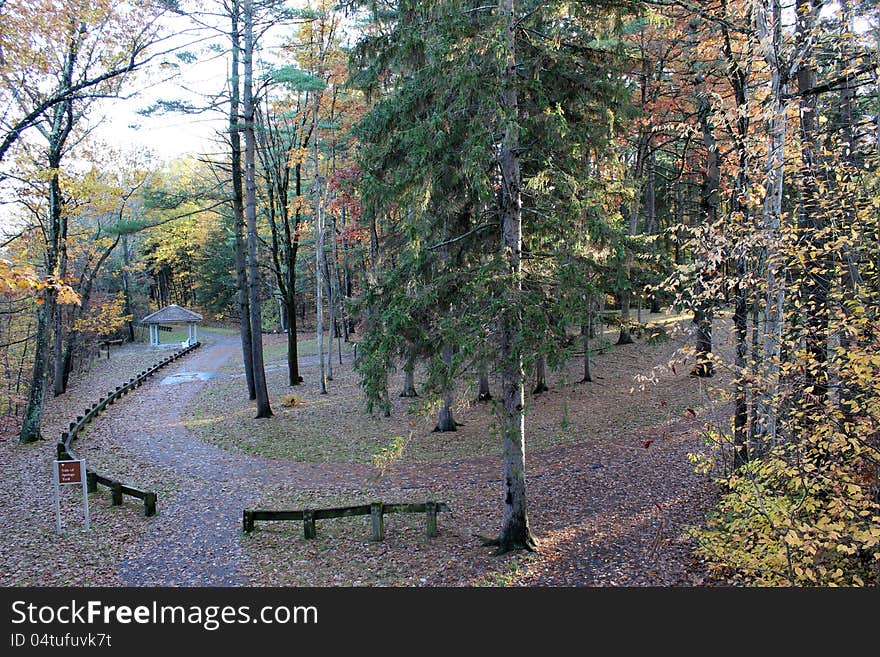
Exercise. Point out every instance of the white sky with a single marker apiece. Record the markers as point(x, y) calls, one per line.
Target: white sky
point(175, 134)
point(172, 135)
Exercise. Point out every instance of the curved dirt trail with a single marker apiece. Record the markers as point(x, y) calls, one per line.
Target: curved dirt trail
point(194, 541)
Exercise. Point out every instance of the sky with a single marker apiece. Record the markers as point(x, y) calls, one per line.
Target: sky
point(174, 135)
point(171, 135)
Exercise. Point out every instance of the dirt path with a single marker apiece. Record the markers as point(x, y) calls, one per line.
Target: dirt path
point(194, 541)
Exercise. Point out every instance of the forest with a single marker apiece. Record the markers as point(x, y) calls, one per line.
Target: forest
point(640, 237)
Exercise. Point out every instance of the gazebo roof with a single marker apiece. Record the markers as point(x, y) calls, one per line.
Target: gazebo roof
point(171, 314)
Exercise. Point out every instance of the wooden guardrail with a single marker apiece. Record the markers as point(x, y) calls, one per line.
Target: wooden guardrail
point(375, 510)
point(65, 452)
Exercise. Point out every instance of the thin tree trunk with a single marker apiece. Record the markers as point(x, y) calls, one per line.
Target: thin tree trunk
point(319, 267)
point(73, 335)
point(409, 384)
point(238, 208)
point(703, 311)
point(774, 278)
point(540, 376)
point(293, 377)
point(739, 74)
point(331, 307)
point(445, 421)
point(625, 336)
point(126, 287)
point(585, 337)
point(262, 394)
point(811, 223)
point(515, 530)
point(58, 345)
point(483, 392)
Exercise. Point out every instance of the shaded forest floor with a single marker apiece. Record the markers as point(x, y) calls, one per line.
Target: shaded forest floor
point(611, 488)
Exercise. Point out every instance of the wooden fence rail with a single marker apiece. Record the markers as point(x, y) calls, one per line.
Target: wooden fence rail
point(376, 511)
point(65, 451)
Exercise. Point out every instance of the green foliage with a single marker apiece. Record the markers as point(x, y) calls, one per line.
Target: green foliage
point(296, 79)
point(386, 456)
point(428, 156)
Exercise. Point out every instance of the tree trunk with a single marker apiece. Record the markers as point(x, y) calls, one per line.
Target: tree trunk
point(445, 421)
point(585, 337)
point(515, 530)
point(703, 311)
point(126, 287)
point(331, 307)
point(774, 278)
point(540, 376)
point(293, 377)
point(483, 393)
point(319, 269)
point(625, 336)
point(33, 413)
point(409, 384)
point(238, 220)
point(739, 69)
point(58, 344)
point(262, 393)
point(811, 223)
point(62, 125)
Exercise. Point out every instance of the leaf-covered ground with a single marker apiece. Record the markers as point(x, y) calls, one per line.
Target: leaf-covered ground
point(610, 485)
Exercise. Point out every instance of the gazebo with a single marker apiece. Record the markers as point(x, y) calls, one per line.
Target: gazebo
point(172, 314)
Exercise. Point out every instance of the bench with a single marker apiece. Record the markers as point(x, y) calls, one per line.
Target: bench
point(375, 510)
point(108, 343)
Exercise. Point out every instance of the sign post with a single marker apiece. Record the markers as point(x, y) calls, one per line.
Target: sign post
point(67, 473)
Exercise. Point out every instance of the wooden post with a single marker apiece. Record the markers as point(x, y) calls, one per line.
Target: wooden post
point(116, 490)
point(247, 521)
point(150, 505)
point(91, 482)
point(309, 524)
point(378, 521)
point(431, 519)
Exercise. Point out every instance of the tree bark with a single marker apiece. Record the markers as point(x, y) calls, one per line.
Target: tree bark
point(409, 384)
point(585, 337)
point(738, 69)
point(126, 287)
point(515, 530)
point(811, 223)
point(61, 127)
point(540, 376)
point(703, 311)
point(238, 208)
point(768, 29)
point(445, 421)
point(262, 394)
point(483, 392)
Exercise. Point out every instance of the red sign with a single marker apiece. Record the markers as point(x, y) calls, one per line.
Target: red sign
point(69, 472)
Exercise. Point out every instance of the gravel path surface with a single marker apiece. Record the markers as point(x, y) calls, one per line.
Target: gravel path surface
point(195, 538)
